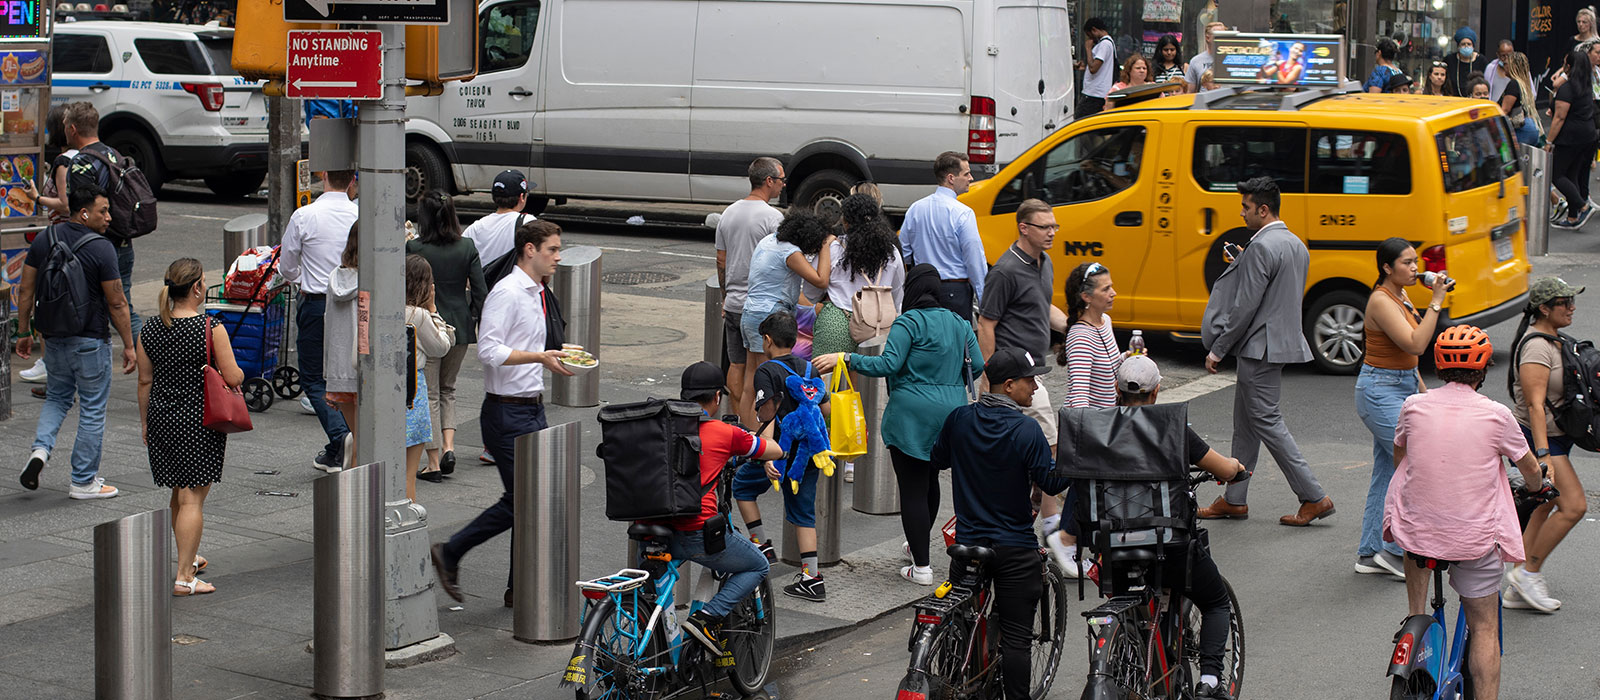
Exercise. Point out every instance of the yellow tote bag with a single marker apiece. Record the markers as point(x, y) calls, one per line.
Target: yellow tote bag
point(847, 423)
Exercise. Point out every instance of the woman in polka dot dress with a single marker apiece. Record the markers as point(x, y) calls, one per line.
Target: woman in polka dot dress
point(185, 456)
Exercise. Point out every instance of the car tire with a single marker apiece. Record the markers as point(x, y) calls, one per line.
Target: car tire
point(238, 184)
point(142, 150)
point(426, 169)
point(1333, 326)
point(823, 184)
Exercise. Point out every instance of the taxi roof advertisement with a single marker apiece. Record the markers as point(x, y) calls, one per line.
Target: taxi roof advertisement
point(1315, 60)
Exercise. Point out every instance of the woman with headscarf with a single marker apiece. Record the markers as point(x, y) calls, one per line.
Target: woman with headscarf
point(1467, 59)
point(930, 360)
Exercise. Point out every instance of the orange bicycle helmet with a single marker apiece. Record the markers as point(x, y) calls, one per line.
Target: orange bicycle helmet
point(1462, 347)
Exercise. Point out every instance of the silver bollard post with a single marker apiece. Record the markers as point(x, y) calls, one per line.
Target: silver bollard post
point(1536, 169)
point(577, 287)
point(876, 492)
point(240, 234)
point(133, 607)
point(713, 321)
point(347, 583)
point(545, 538)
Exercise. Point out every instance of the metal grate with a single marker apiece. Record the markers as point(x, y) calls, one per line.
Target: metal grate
point(633, 277)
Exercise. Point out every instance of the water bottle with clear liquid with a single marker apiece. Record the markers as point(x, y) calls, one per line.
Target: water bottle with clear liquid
point(1136, 343)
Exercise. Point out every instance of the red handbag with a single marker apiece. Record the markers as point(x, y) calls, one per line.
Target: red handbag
point(225, 410)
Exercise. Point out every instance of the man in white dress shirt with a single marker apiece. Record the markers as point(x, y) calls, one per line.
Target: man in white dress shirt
point(511, 346)
point(312, 245)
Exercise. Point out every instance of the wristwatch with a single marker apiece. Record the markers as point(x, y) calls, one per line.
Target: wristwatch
point(1434, 307)
point(1541, 453)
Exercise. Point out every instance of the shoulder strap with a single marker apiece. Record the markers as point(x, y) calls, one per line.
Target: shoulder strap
point(209, 322)
point(97, 155)
point(86, 239)
point(1516, 354)
point(785, 367)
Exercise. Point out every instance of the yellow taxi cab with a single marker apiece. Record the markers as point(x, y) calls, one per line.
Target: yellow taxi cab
point(1149, 190)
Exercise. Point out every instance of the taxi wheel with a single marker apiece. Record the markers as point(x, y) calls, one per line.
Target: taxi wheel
point(1334, 328)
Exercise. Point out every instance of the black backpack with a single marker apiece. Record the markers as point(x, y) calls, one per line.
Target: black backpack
point(63, 300)
point(1131, 472)
point(1575, 413)
point(133, 201)
point(651, 451)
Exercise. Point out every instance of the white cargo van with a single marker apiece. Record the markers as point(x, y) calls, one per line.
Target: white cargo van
point(670, 100)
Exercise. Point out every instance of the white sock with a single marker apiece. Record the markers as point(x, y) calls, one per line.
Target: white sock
point(1050, 522)
point(1208, 679)
point(923, 569)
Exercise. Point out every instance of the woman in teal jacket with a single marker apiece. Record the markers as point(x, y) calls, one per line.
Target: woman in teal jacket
point(925, 360)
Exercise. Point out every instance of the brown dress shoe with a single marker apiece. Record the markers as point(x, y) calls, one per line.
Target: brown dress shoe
point(447, 577)
point(1313, 510)
point(1221, 509)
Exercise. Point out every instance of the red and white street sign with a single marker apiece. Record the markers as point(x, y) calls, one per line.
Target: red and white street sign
point(335, 65)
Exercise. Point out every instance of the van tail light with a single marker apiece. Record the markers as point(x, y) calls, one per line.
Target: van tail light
point(1433, 259)
point(210, 94)
point(980, 131)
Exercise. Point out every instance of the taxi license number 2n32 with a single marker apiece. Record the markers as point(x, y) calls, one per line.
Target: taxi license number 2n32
point(1338, 219)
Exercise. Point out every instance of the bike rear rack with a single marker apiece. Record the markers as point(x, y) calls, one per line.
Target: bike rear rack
point(624, 580)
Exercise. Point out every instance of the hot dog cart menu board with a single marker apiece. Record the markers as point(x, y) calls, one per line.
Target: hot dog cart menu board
point(24, 99)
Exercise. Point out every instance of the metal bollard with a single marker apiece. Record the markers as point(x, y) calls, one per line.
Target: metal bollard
point(876, 491)
point(830, 505)
point(577, 286)
point(133, 607)
point(545, 538)
point(1536, 168)
point(347, 583)
point(241, 234)
point(713, 323)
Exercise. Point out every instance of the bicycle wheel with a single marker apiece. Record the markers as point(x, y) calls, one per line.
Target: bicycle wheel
point(749, 635)
point(610, 636)
point(1419, 686)
point(1232, 653)
point(944, 659)
point(1049, 631)
point(1117, 668)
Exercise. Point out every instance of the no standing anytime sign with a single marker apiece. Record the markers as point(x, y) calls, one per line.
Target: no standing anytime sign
point(334, 65)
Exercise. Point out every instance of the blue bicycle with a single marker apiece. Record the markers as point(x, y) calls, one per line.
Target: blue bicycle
point(632, 647)
point(1423, 666)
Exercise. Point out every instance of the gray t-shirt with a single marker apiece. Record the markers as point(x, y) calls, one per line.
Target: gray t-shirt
point(744, 223)
point(1017, 296)
point(1197, 67)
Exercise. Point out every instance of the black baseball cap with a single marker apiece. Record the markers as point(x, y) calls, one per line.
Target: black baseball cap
point(1007, 364)
point(701, 376)
point(511, 182)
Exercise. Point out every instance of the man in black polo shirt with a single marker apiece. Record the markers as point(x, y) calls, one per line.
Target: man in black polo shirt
point(995, 454)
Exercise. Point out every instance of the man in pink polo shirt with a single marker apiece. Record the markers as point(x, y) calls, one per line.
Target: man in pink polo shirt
point(1450, 500)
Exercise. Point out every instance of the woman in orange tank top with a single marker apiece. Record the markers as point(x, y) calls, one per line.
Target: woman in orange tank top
point(1396, 334)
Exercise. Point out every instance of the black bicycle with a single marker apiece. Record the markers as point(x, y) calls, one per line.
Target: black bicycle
point(1144, 642)
point(955, 643)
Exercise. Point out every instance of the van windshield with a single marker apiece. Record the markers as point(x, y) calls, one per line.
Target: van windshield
point(1477, 154)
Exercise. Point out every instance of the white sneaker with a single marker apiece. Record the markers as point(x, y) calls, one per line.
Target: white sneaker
point(905, 549)
point(93, 489)
point(920, 575)
point(305, 405)
point(849, 472)
point(1066, 556)
point(35, 374)
point(1510, 599)
point(1531, 586)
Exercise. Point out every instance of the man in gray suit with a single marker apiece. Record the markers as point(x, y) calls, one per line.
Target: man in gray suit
point(1254, 314)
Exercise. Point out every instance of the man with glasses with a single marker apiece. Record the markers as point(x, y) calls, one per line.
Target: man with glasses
point(743, 224)
point(943, 232)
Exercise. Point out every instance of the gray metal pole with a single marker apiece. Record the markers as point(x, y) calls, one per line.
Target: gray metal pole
point(876, 492)
point(713, 321)
point(283, 150)
point(1536, 169)
point(410, 605)
point(133, 607)
point(347, 583)
point(545, 537)
point(577, 286)
point(242, 233)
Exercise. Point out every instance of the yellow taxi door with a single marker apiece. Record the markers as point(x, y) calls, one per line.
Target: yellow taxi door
point(1216, 157)
point(1484, 247)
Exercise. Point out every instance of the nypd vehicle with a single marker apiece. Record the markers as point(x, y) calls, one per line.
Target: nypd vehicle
point(169, 98)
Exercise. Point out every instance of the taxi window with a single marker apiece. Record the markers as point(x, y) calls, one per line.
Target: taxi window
point(80, 53)
point(1089, 166)
point(1476, 154)
point(1359, 162)
point(1225, 156)
point(507, 30)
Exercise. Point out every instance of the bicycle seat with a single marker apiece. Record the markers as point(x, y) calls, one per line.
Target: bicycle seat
point(1430, 563)
point(648, 531)
point(970, 553)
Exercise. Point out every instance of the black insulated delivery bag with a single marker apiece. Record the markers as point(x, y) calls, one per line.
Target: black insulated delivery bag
point(651, 451)
point(1131, 470)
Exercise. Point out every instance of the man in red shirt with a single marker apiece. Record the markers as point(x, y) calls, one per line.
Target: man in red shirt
point(733, 555)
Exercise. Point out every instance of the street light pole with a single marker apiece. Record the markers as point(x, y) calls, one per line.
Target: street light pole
point(409, 603)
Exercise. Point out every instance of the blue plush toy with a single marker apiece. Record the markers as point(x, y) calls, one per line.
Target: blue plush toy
point(804, 433)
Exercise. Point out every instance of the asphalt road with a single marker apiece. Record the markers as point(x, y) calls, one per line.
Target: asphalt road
point(1313, 627)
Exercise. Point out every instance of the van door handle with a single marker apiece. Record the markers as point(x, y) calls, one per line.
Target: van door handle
point(1209, 212)
point(99, 87)
point(1129, 218)
point(519, 92)
point(1041, 86)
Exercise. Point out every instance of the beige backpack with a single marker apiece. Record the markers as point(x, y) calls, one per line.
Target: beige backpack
point(874, 310)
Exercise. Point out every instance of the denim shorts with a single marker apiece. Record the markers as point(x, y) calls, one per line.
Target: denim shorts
point(750, 326)
point(1560, 445)
point(800, 509)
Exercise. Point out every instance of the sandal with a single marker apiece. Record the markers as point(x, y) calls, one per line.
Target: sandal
point(200, 564)
point(191, 587)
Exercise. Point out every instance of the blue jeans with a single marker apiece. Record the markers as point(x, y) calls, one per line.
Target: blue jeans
point(743, 563)
point(501, 425)
point(1379, 395)
point(1528, 135)
point(309, 323)
point(81, 365)
point(125, 268)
